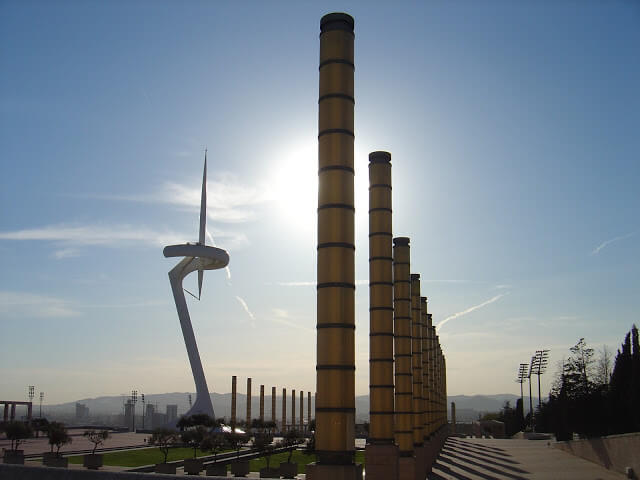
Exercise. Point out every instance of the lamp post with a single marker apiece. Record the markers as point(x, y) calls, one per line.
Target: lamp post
point(134, 400)
point(144, 413)
point(41, 398)
point(542, 357)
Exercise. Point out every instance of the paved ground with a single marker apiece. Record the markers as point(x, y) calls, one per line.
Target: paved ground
point(490, 459)
point(40, 445)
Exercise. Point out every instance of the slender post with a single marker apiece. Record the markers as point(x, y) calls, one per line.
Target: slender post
point(273, 405)
point(308, 408)
point(293, 409)
point(261, 404)
point(233, 403)
point(425, 369)
point(335, 369)
point(301, 412)
point(284, 410)
point(248, 404)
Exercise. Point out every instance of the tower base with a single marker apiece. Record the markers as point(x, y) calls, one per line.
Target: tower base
point(334, 472)
point(382, 462)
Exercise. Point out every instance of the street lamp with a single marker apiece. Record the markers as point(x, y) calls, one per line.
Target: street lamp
point(134, 400)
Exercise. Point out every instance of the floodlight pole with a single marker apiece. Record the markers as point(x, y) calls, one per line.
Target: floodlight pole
point(144, 414)
point(134, 400)
point(41, 398)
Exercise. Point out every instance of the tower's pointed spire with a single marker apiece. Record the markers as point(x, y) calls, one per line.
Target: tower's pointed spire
point(203, 218)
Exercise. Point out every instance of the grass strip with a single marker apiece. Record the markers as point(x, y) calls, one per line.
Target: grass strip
point(143, 456)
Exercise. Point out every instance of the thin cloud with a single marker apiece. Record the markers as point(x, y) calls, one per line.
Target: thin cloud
point(308, 283)
point(29, 305)
point(470, 309)
point(606, 243)
point(70, 236)
point(228, 199)
point(280, 315)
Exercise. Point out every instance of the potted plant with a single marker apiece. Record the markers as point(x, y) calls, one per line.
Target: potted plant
point(58, 437)
point(239, 468)
point(93, 461)
point(194, 430)
point(214, 443)
point(289, 469)
point(263, 443)
point(164, 439)
point(17, 432)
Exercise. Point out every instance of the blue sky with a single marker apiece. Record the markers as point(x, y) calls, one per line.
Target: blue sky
point(513, 130)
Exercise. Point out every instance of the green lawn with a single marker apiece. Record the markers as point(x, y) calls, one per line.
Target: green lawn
point(143, 456)
point(298, 457)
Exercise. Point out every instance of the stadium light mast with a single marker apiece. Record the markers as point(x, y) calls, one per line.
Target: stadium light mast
point(522, 376)
point(134, 400)
point(41, 398)
point(532, 366)
point(542, 357)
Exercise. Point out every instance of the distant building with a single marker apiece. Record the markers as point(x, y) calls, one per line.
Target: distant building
point(158, 420)
point(172, 413)
point(82, 411)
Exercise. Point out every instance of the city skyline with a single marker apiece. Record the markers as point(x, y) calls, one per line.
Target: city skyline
point(511, 130)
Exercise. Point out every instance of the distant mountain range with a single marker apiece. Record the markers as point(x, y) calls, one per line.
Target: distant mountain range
point(468, 407)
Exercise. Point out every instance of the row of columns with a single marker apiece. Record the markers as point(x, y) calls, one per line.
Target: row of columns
point(408, 402)
point(407, 370)
point(273, 406)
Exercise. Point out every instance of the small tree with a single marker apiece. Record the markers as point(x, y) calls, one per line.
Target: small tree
point(40, 425)
point(58, 436)
point(263, 443)
point(213, 443)
point(17, 432)
point(194, 437)
point(236, 440)
point(164, 439)
point(291, 438)
point(97, 437)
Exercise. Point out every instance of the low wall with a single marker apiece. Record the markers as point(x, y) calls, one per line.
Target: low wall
point(23, 472)
point(615, 452)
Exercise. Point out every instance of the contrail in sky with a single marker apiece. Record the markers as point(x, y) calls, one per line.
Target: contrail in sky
point(610, 241)
point(471, 309)
point(246, 308)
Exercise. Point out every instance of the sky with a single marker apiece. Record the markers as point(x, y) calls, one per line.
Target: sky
point(513, 129)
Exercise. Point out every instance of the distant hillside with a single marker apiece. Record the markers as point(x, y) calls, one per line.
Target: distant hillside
point(468, 407)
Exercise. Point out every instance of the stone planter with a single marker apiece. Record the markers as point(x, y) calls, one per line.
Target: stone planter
point(169, 468)
point(15, 457)
point(50, 459)
point(288, 470)
point(240, 468)
point(217, 470)
point(192, 466)
point(92, 461)
point(269, 472)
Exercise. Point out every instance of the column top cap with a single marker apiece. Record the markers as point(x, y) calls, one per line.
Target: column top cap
point(401, 241)
point(336, 21)
point(380, 157)
point(415, 276)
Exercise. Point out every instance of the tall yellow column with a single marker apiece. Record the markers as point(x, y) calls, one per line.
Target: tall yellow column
point(261, 403)
point(416, 372)
point(284, 410)
point(335, 368)
point(234, 394)
point(381, 453)
point(403, 376)
point(248, 403)
point(301, 412)
point(293, 409)
point(425, 369)
point(273, 405)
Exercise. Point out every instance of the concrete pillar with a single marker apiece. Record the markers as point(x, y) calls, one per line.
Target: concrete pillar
point(301, 411)
point(416, 372)
point(284, 410)
point(403, 378)
point(335, 368)
point(453, 417)
point(308, 408)
point(261, 403)
point(293, 409)
point(425, 370)
point(234, 394)
point(5, 416)
point(13, 411)
point(273, 405)
point(381, 454)
point(248, 404)
point(30, 410)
